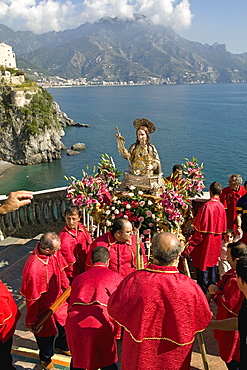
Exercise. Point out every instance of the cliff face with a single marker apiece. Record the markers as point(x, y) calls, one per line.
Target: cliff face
point(31, 125)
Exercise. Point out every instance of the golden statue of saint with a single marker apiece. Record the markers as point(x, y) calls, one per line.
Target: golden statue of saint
point(142, 155)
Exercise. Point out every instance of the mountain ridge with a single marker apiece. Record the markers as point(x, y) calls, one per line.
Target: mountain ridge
point(112, 49)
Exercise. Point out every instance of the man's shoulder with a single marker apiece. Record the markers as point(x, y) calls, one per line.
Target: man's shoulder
point(98, 273)
point(226, 190)
point(102, 238)
point(140, 281)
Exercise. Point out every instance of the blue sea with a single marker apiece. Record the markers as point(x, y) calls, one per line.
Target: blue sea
point(208, 122)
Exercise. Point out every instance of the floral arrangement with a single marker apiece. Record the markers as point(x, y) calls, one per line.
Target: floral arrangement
point(194, 177)
point(192, 182)
point(153, 213)
point(92, 192)
point(98, 194)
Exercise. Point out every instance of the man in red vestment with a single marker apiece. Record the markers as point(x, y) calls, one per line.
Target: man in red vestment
point(205, 243)
point(161, 310)
point(9, 315)
point(120, 242)
point(88, 318)
point(75, 241)
point(229, 198)
point(229, 300)
point(176, 175)
point(43, 281)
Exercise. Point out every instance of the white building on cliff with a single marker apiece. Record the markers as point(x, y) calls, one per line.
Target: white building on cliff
point(7, 56)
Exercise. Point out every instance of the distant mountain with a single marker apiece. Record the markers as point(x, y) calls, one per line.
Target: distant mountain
point(112, 49)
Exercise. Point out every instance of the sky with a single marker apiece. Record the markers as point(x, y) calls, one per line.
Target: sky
point(205, 21)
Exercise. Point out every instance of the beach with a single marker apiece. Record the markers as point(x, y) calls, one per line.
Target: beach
point(5, 170)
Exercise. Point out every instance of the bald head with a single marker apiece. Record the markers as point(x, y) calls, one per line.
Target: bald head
point(166, 248)
point(49, 243)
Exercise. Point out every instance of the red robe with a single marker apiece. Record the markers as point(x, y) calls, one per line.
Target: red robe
point(229, 300)
point(74, 248)
point(9, 313)
point(205, 243)
point(122, 255)
point(229, 199)
point(88, 318)
point(161, 310)
point(43, 281)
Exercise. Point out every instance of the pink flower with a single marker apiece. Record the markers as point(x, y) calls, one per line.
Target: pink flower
point(149, 213)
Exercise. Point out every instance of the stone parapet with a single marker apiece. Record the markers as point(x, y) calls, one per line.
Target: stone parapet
point(44, 213)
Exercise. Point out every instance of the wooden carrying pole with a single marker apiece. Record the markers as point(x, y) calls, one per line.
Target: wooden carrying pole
point(139, 256)
point(199, 335)
point(37, 326)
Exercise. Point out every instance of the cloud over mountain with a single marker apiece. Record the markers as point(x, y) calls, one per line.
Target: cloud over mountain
point(47, 15)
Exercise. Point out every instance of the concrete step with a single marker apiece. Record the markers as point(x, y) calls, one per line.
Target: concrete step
point(24, 358)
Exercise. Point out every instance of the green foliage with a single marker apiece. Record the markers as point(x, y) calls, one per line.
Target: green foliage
point(39, 113)
point(28, 96)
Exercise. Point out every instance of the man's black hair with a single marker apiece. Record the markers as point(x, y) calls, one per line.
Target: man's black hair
point(118, 224)
point(215, 188)
point(100, 254)
point(71, 209)
point(177, 167)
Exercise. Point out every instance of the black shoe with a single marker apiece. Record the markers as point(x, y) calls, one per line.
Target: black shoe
point(63, 352)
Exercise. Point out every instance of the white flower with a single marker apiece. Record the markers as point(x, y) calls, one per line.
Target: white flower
point(128, 206)
point(113, 208)
point(108, 223)
point(132, 187)
point(107, 212)
point(140, 192)
point(116, 211)
point(150, 202)
point(131, 194)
